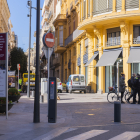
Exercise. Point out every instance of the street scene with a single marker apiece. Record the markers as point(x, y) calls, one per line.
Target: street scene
point(70, 70)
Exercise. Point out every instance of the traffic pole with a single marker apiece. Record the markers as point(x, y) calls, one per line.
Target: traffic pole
point(36, 118)
point(18, 77)
point(28, 90)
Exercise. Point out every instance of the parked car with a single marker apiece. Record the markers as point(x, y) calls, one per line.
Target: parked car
point(59, 85)
point(76, 82)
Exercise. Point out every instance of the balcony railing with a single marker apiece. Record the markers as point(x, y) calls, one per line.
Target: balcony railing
point(136, 40)
point(114, 41)
point(69, 39)
point(69, 64)
point(85, 58)
point(79, 61)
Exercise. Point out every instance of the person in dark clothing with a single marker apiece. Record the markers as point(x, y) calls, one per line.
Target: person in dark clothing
point(136, 85)
point(122, 86)
point(132, 89)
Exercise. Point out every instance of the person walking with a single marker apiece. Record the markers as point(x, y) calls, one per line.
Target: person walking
point(135, 82)
point(122, 86)
point(132, 88)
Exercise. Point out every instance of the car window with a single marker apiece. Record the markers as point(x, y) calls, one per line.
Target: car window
point(76, 79)
point(58, 80)
point(82, 78)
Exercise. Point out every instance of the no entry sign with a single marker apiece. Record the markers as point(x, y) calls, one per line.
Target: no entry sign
point(49, 40)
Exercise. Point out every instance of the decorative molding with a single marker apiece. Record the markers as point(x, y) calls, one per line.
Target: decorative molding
point(96, 32)
point(124, 27)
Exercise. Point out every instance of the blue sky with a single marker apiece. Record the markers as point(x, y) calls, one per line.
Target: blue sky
point(20, 21)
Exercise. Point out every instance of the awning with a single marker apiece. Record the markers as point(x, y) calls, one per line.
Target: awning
point(108, 58)
point(134, 56)
point(93, 57)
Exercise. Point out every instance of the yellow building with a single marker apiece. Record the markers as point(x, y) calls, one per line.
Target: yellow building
point(106, 31)
point(4, 16)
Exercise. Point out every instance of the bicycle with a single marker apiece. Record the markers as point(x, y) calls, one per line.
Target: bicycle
point(113, 95)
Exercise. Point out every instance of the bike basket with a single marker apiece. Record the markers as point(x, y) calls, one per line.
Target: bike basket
point(110, 88)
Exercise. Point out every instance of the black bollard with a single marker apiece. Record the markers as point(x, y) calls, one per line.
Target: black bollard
point(117, 111)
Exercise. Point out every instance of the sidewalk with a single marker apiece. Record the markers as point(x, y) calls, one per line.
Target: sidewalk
point(73, 111)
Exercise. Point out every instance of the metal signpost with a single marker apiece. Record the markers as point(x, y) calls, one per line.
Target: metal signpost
point(49, 41)
point(18, 67)
point(4, 68)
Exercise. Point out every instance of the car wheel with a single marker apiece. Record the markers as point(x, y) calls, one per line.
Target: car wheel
point(80, 91)
point(60, 91)
point(85, 91)
point(66, 90)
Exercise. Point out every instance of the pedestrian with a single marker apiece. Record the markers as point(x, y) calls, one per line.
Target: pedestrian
point(132, 88)
point(135, 82)
point(138, 80)
point(122, 86)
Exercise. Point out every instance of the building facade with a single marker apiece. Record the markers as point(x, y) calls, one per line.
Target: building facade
point(96, 35)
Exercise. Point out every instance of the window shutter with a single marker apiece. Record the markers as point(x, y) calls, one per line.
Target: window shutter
point(131, 4)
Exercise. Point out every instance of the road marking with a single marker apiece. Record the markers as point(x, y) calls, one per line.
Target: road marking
point(126, 136)
point(52, 134)
point(88, 135)
point(49, 40)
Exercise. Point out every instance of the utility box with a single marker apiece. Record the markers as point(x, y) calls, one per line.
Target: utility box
point(44, 89)
point(52, 104)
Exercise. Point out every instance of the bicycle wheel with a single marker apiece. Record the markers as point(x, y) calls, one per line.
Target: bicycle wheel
point(127, 95)
point(111, 97)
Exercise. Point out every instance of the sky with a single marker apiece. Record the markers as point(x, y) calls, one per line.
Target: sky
point(20, 21)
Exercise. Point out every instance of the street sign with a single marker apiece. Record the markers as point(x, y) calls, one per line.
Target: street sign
point(4, 68)
point(48, 40)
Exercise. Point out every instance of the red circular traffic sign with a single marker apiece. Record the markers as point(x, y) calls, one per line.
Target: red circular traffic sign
point(49, 40)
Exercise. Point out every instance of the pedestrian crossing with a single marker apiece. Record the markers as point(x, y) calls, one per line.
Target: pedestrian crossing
point(56, 134)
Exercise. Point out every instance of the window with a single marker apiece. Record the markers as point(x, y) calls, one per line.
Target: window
point(74, 51)
point(131, 4)
point(76, 79)
point(61, 35)
point(82, 78)
point(136, 34)
point(102, 6)
point(69, 30)
point(113, 37)
point(88, 8)
point(84, 9)
point(74, 26)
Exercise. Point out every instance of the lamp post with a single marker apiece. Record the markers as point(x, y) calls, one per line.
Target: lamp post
point(28, 90)
point(36, 118)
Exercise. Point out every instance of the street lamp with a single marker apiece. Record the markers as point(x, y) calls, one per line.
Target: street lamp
point(29, 3)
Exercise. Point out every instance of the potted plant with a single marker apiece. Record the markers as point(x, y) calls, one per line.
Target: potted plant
point(13, 95)
point(3, 105)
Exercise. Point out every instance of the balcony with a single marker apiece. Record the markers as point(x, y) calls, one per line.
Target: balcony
point(69, 39)
point(85, 58)
point(56, 61)
point(69, 64)
point(60, 18)
point(79, 61)
point(114, 41)
point(59, 47)
point(67, 13)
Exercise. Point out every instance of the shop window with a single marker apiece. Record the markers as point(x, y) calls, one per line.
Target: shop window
point(135, 68)
point(136, 34)
point(113, 37)
point(111, 74)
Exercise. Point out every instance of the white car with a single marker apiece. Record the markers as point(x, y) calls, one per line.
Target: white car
point(59, 85)
point(76, 82)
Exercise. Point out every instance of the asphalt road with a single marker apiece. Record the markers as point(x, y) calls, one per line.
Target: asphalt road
point(79, 117)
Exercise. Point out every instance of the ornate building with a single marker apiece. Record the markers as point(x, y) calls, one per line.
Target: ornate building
point(102, 33)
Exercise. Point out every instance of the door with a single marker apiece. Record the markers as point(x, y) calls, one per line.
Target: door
point(82, 80)
point(76, 80)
